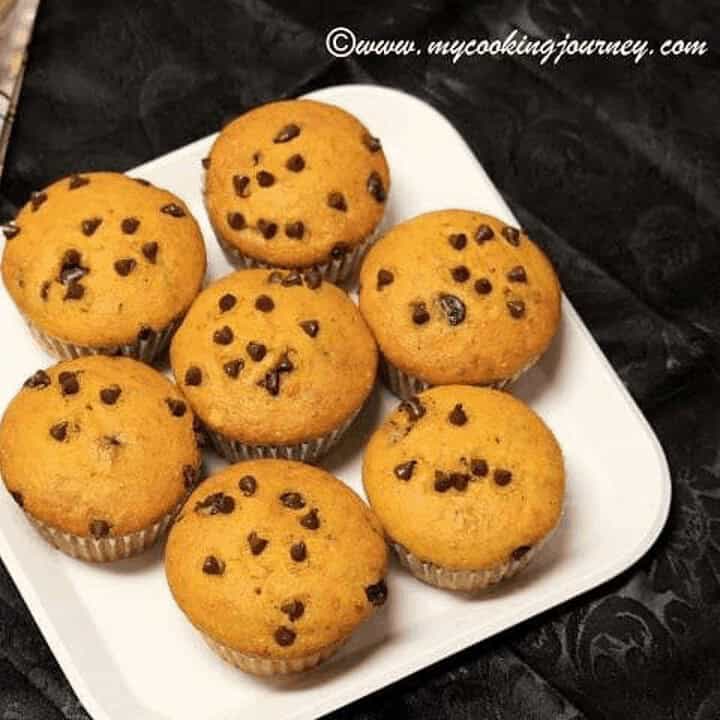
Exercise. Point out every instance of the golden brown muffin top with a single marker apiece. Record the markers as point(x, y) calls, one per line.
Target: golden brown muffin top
point(276, 559)
point(95, 258)
point(274, 356)
point(98, 446)
point(465, 477)
point(293, 182)
point(459, 297)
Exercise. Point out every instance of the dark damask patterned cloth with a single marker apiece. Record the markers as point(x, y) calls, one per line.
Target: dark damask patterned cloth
point(613, 167)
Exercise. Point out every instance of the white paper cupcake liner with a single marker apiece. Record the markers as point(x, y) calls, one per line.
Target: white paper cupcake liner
point(464, 580)
point(269, 666)
point(107, 549)
point(146, 350)
point(310, 451)
point(405, 385)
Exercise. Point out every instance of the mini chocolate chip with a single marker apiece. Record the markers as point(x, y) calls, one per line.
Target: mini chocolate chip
point(213, 566)
point(11, 231)
point(232, 368)
point(459, 480)
point(125, 266)
point(256, 351)
point(205, 162)
point(294, 609)
point(45, 289)
point(287, 133)
point(37, 199)
point(145, 333)
point(265, 179)
point(271, 382)
point(457, 415)
point(39, 380)
point(241, 185)
point(336, 201)
point(454, 309)
point(59, 431)
point(371, 143)
point(511, 234)
point(375, 187)
point(311, 521)
point(256, 543)
point(109, 395)
point(256, 157)
point(99, 529)
point(420, 314)
point(223, 336)
point(150, 251)
point(460, 274)
point(130, 225)
point(236, 220)
point(71, 269)
point(293, 278)
point(69, 384)
point(77, 181)
point(267, 228)
point(264, 303)
point(295, 230)
point(227, 302)
point(520, 552)
point(215, 504)
point(90, 225)
point(295, 163)
point(284, 636)
point(516, 308)
point(404, 471)
point(458, 240)
point(18, 498)
point(483, 234)
point(502, 477)
point(173, 209)
point(311, 327)
point(285, 364)
point(413, 407)
point(313, 278)
point(74, 291)
point(141, 181)
point(247, 485)
point(298, 551)
point(193, 375)
point(384, 277)
point(483, 286)
point(292, 500)
point(275, 277)
point(442, 481)
point(478, 467)
point(517, 274)
point(176, 407)
point(190, 477)
point(377, 593)
point(339, 251)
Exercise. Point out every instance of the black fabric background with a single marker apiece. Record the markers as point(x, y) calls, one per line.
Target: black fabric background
point(614, 168)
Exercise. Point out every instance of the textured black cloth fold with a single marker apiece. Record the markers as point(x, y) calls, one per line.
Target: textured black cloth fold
point(613, 167)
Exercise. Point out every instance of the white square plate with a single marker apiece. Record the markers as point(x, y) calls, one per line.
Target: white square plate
point(124, 645)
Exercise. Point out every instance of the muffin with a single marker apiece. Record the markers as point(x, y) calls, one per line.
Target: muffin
point(276, 563)
point(296, 184)
point(468, 483)
point(100, 453)
point(458, 297)
point(101, 263)
point(274, 363)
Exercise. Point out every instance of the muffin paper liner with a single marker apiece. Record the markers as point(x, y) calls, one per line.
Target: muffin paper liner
point(310, 451)
point(269, 666)
point(405, 385)
point(147, 350)
point(464, 580)
point(105, 549)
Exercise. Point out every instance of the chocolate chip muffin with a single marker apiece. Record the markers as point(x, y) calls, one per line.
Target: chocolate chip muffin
point(274, 363)
point(103, 263)
point(276, 563)
point(458, 297)
point(468, 483)
point(99, 452)
point(296, 184)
